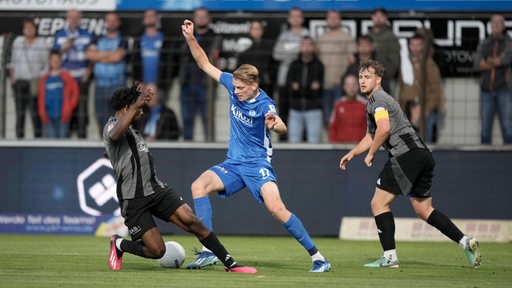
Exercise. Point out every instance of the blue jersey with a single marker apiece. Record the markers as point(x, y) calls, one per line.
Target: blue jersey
point(110, 74)
point(150, 47)
point(54, 88)
point(249, 138)
point(74, 60)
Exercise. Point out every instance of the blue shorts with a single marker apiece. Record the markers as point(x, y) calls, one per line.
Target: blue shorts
point(236, 175)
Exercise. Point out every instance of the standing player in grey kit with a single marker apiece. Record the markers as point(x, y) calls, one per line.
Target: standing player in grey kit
point(408, 171)
point(141, 194)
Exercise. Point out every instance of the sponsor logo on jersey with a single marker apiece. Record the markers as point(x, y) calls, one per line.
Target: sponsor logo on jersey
point(142, 147)
point(240, 116)
point(221, 169)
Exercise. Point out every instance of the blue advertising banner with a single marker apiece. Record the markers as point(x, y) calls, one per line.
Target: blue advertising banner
point(317, 5)
point(68, 224)
point(71, 190)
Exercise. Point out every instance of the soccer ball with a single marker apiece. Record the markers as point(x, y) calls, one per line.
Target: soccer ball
point(174, 255)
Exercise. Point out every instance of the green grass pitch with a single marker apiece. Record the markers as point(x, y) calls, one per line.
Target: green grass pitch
point(81, 261)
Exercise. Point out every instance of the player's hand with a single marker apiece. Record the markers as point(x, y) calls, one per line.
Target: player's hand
point(148, 94)
point(187, 29)
point(270, 120)
point(344, 161)
point(369, 159)
point(145, 97)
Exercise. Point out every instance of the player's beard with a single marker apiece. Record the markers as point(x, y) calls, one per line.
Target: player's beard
point(202, 27)
point(364, 93)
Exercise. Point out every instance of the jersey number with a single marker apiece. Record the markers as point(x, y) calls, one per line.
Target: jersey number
point(264, 173)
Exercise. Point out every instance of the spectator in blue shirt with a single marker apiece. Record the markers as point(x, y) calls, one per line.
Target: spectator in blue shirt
point(73, 41)
point(151, 57)
point(108, 53)
point(58, 97)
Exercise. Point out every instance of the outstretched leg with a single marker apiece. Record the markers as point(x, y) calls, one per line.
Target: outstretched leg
point(188, 221)
point(272, 199)
point(425, 211)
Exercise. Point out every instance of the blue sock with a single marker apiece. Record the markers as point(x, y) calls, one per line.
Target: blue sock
point(295, 227)
point(203, 209)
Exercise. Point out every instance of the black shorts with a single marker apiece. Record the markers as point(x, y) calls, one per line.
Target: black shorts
point(408, 174)
point(138, 212)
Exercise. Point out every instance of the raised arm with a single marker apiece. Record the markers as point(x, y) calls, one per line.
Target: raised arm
point(198, 52)
point(125, 118)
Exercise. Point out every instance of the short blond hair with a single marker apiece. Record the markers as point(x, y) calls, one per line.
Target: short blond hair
point(247, 73)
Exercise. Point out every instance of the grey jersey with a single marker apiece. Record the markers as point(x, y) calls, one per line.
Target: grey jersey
point(402, 136)
point(132, 163)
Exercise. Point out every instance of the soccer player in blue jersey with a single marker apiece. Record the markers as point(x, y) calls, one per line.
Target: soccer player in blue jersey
point(252, 116)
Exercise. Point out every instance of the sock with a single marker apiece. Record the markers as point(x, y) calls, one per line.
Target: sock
point(212, 242)
point(133, 247)
point(203, 209)
point(317, 256)
point(463, 242)
point(445, 225)
point(118, 243)
point(386, 228)
point(295, 227)
point(391, 255)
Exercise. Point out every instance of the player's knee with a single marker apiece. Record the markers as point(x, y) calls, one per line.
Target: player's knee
point(375, 205)
point(279, 212)
point(155, 252)
point(198, 189)
point(160, 253)
point(422, 213)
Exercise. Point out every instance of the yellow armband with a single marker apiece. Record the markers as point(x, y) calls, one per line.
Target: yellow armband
point(381, 113)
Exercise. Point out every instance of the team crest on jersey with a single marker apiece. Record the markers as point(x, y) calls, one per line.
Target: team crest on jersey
point(252, 113)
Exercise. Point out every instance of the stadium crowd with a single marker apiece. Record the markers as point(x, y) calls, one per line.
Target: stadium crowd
point(305, 75)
